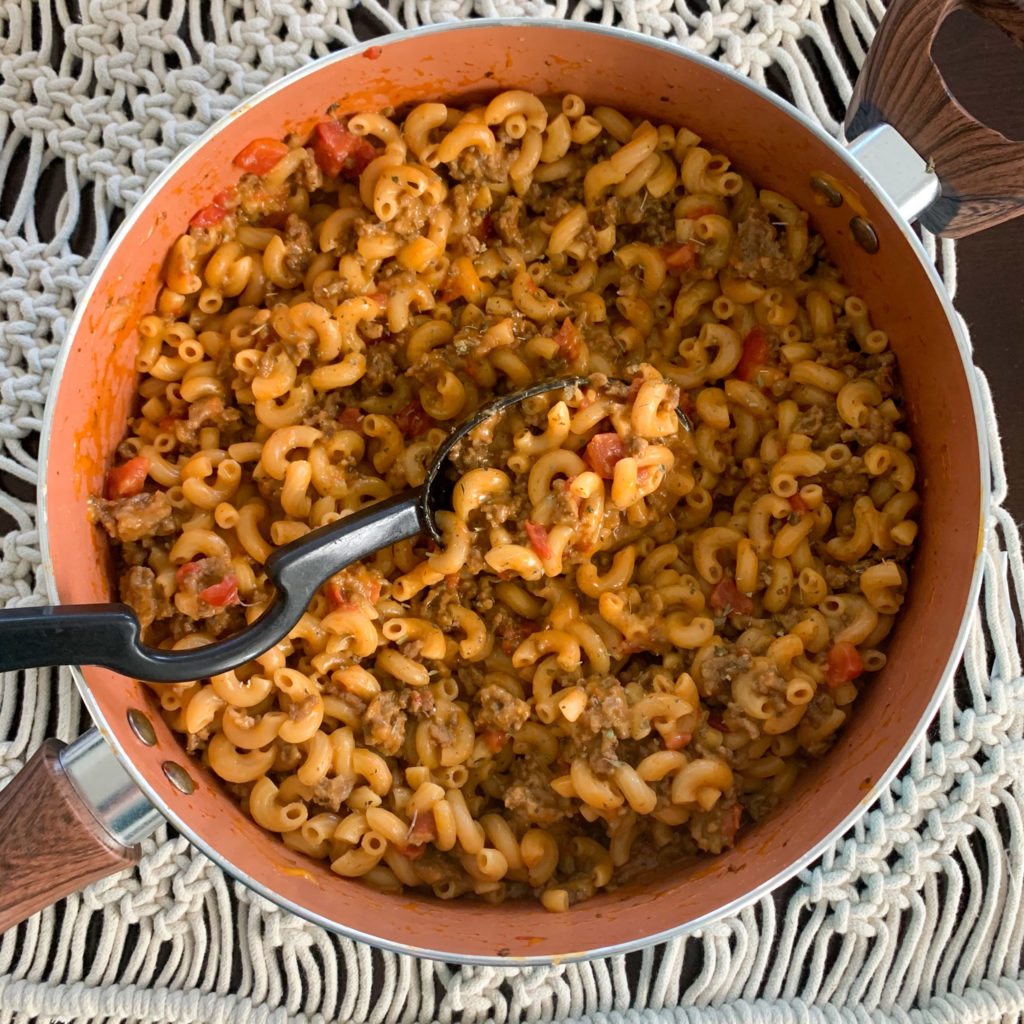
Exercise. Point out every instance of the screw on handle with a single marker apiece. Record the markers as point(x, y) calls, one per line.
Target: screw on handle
point(981, 171)
point(109, 634)
point(51, 843)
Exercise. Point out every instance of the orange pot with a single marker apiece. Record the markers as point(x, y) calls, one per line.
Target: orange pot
point(94, 383)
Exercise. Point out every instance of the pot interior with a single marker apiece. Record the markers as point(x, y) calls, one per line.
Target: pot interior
point(772, 146)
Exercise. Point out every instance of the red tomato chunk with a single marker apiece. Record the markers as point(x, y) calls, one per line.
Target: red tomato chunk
point(261, 155)
point(677, 740)
point(127, 480)
point(210, 216)
point(495, 740)
point(844, 664)
point(350, 418)
point(412, 421)
point(602, 452)
point(538, 539)
point(755, 355)
point(700, 211)
point(727, 597)
point(569, 340)
point(338, 151)
point(679, 257)
point(222, 594)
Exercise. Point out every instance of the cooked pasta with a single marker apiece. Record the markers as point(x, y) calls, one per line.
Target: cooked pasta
point(632, 638)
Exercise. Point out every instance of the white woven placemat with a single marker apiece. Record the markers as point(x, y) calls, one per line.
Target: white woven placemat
point(914, 916)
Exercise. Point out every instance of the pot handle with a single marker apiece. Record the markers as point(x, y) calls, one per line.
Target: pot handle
point(981, 171)
point(53, 838)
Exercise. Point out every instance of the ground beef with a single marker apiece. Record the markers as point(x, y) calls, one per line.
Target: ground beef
point(840, 577)
point(380, 366)
point(818, 710)
point(500, 710)
point(758, 252)
point(603, 723)
point(531, 798)
point(384, 723)
point(507, 220)
point(718, 672)
point(149, 514)
point(848, 481)
point(331, 792)
point(289, 757)
point(298, 244)
point(193, 579)
point(140, 592)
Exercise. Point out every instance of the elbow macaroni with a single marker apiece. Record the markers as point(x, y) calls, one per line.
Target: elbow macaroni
point(632, 636)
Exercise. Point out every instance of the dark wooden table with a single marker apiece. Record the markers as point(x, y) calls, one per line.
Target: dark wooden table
point(986, 74)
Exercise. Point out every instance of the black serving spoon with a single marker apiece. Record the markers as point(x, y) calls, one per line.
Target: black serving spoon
point(109, 634)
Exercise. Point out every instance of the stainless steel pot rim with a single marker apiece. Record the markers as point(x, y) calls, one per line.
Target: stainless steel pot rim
point(870, 795)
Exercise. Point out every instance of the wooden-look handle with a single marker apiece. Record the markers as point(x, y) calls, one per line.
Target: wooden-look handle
point(981, 171)
point(50, 842)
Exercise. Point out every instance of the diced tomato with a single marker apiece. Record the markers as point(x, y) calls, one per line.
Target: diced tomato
point(755, 355)
point(569, 340)
point(677, 740)
point(410, 852)
point(166, 423)
point(495, 740)
point(686, 404)
point(798, 503)
point(451, 581)
point(345, 590)
point(731, 823)
point(423, 829)
point(715, 722)
point(381, 298)
point(634, 388)
point(350, 417)
point(337, 596)
point(727, 597)
point(512, 635)
point(485, 228)
point(538, 538)
point(373, 52)
point(208, 216)
point(699, 211)
point(261, 155)
point(128, 479)
point(412, 421)
point(186, 570)
point(602, 452)
point(679, 257)
point(844, 664)
point(338, 151)
point(222, 594)
point(211, 215)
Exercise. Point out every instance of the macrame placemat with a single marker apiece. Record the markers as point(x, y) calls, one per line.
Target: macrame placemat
point(913, 916)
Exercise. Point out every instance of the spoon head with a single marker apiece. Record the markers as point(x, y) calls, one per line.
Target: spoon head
point(437, 487)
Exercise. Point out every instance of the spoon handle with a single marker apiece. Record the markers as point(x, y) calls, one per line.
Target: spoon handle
point(108, 634)
point(77, 634)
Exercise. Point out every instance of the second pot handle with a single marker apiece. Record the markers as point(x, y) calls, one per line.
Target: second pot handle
point(981, 171)
point(54, 838)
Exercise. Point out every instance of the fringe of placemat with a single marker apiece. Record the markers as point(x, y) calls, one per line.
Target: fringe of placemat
point(913, 916)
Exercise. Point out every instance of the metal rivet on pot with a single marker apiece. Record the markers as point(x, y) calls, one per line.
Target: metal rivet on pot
point(864, 234)
point(142, 726)
point(826, 190)
point(178, 776)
